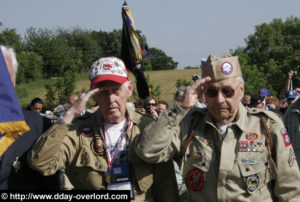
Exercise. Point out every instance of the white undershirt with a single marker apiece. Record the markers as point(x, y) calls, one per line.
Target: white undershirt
point(222, 128)
point(112, 135)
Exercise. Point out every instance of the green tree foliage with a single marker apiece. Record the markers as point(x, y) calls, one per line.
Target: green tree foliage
point(270, 52)
point(158, 60)
point(60, 90)
point(10, 38)
point(153, 88)
point(30, 67)
point(182, 82)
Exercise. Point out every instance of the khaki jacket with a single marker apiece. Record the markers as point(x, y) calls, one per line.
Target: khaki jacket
point(292, 123)
point(224, 169)
point(74, 148)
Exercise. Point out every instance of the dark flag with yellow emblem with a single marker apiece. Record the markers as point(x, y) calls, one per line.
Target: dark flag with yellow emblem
point(131, 51)
point(12, 123)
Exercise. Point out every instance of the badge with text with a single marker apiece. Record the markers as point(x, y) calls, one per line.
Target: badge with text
point(251, 136)
point(252, 182)
point(195, 180)
point(86, 131)
point(286, 138)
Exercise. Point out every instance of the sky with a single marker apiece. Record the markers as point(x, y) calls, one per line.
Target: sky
point(186, 30)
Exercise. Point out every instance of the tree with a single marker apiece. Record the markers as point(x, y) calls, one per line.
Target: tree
point(30, 67)
point(270, 52)
point(10, 38)
point(158, 60)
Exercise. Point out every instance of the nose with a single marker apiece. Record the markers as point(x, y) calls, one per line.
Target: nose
point(220, 97)
point(111, 96)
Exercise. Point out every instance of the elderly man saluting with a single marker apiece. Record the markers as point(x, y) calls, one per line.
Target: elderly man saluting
point(227, 152)
point(97, 148)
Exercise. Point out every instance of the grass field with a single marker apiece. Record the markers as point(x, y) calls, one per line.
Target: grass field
point(165, 78)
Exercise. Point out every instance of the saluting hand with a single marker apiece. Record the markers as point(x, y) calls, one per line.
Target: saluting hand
point(190, 95)
point(79, 105)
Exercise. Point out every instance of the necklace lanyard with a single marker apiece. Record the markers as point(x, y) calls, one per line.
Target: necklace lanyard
point(118, 144)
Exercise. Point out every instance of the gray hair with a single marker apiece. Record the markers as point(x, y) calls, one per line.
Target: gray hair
point(12, 54)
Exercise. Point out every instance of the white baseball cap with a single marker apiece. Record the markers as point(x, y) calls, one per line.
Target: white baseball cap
point(108, 69)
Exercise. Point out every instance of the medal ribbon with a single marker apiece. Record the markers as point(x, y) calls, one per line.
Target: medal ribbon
point(110, 162)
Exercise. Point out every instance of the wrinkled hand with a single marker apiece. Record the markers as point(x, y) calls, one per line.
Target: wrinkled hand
point(79, 105)
point(190, 96)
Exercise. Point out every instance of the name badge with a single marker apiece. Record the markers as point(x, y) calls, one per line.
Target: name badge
point(121, 171)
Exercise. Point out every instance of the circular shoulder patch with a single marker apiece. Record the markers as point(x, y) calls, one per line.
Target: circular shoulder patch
point(226, 68)
point(195, 180)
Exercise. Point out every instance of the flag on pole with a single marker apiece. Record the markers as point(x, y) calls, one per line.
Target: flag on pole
point(12, 124)
point(131, 51)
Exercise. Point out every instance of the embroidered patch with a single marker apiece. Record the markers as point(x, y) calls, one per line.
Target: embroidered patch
point(226, 68)
point(86, 131)
point(292, 157)
point(286, 138)
point(97, 145)
point(251, 136)
point(201, 139)
point(195, 180)
point(250, 161)
point(252, 182)
point(251, 146)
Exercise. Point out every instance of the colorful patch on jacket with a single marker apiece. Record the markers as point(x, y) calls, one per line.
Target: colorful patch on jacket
point(195, 180)
point(201, 139)
point(86, 131)
point(252, 182)
point(286, 137)
point(251, 146)
point(251, 136)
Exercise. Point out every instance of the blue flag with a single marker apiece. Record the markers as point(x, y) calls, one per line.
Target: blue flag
point(12, 123)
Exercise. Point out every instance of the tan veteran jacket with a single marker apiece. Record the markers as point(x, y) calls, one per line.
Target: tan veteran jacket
point(85, 167)
point(236, 168)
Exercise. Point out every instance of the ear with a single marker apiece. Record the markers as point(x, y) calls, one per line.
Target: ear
point(130, 88)
point(242, 89)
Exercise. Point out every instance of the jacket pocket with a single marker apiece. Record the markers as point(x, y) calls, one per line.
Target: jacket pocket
point(198, 155)
point(253, 169)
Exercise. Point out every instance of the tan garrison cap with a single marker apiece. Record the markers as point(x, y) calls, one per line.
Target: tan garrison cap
point(221, 68)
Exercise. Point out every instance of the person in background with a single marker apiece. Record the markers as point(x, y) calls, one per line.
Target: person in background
point(15, 173)
point(246, 100)
point(291, 97)
point(97, 149)
point(162, 106)
point(36, 105)
point(139, 106)
point(257, 101)
point(179, 92)
point(150, 105)
point(227, 152)
point(274, 105)
point(289, 82)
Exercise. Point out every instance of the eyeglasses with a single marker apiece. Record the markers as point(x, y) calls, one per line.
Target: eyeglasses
point(152, 104)
point(227, 92)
